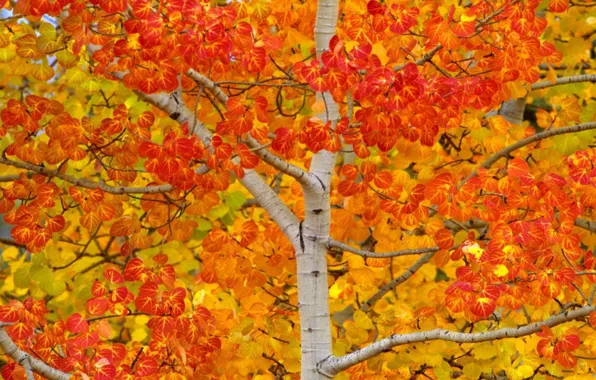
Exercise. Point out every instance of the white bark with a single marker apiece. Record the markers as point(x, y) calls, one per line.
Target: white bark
point(311, 252)
point(333, 364)
point(28, 362)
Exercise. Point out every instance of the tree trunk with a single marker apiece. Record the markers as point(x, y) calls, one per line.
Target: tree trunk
point(311, 252)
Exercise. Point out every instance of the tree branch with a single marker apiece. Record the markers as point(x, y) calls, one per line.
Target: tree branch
point(397, 281)
point(252, 181)
point(379, 255)
point(209, 85)
point(264, 154)
point(84, 182)
point(334, 364)
point(565, 80)
point(27, 361)
point(421, 61)
point(586, 224)
point(304, 178)
point(529, 140)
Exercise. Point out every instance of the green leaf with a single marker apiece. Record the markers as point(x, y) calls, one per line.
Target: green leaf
point(219, 211)
point(199, 235)
point(22, 277)
point(234, 200)
point(38, 262)
point(228, 219)
point(566, 144)
point(49, 283)
point(204, 225)
point(588, 113)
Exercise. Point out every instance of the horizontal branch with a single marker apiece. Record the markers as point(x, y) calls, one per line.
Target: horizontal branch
point(565, 80)
point(84, 182)
point(529, 140)
point(397, 281)
point(11, 243)
point(14, 177)
point(379, 255)
point(27, 361)
point(333, 364)
point(583, 65)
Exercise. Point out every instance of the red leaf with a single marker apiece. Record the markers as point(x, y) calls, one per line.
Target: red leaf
point(134, 269)
point(383, 179)
point(85, 340)
point(77, 324)
point(565, 275)
point(566, 359)
point(113, 276)
point(97, 306)
point(558, 6)
point(567, 344)
point(20, 330)
point(98, 289)
point(374, 8)
point(518, 168)
point(146, 366)
point(55, 224)
point(8, 314)
point(284, 140)
point(105, 372)
point(483, 307)
point(444, 239)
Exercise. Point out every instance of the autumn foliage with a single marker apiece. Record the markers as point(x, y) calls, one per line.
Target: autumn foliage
point(156, 187)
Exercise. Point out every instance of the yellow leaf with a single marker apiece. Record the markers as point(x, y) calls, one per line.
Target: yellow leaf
point(551, 75)
point(250, 350)
point(472, 370)
point(501, 270)
point(4, 40)
point(363, 276)
point(525, 371)
point(318, 106)
point(42, 72)
point(139, 334)
point(362, 320)
point(10, 254)
point(475, 250)
point(355, 334)
point(485, 351)
point(379, 50)
point(7, 54)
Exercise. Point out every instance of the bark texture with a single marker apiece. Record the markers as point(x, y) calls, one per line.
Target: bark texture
point(28, 362)
point(311, 251)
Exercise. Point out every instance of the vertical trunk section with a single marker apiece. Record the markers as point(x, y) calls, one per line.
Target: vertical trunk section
point(311, 252)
